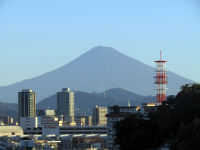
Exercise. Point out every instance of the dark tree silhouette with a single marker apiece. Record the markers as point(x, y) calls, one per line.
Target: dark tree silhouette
point(176, 121)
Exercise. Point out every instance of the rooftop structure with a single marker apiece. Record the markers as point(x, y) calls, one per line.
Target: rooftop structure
point(27, 90)
point(46, 112)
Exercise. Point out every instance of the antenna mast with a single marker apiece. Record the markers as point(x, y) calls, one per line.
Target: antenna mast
point(161, 79)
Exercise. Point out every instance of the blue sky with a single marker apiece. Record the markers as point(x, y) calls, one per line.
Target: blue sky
point(37, 36)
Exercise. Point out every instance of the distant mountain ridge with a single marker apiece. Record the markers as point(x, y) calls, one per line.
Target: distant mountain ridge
point(8, 109)
point(85, 102)
point(119, 95)
point(99, 69)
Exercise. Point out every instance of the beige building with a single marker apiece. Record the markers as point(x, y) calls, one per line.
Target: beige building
point(99, 116)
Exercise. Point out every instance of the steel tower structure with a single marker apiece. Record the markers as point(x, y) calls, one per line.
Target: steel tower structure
point(161, 79)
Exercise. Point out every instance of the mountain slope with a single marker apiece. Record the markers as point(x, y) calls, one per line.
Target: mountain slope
point(84, 102)
point(8, 109)
point(119, 95)
point(98, 69)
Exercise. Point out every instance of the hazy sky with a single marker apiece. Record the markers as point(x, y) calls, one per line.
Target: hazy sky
point(37, 36)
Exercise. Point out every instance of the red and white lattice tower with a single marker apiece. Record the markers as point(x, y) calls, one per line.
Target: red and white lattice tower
point(161, 79)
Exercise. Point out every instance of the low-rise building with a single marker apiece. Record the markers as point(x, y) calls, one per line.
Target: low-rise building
point(28, 123)
point(115, 114)
point(50, 125)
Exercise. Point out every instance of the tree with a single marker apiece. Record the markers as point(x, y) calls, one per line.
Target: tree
point(176, 121)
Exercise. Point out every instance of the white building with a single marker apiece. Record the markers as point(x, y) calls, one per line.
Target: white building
point(50, 125)
point(99, 116)
point(42, 113)
point(29, 122)
point(115, 114)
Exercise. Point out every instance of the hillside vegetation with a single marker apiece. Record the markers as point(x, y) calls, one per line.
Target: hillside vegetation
point(176, 123)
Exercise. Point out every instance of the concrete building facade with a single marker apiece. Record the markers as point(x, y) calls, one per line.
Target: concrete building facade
point(99, 116)
point(50, 125)
point(65, 104)
point(115, 114)
point(26, 103)
point(80, 120)
point(83, 120)
point(28, 123)
point(88, 121)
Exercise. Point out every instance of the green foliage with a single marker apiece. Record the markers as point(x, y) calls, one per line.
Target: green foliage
point(176, 121)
